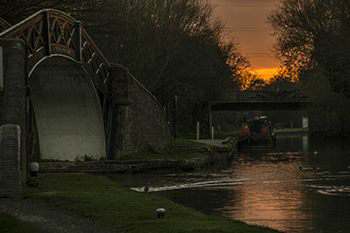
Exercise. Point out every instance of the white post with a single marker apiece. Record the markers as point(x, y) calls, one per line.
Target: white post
point(305, 122)
point(212, 133)
point(198, 131)
point(1, 69)
point(305, 143)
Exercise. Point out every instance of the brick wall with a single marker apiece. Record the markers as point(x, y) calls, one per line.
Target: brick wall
point(147, 122)
point(10, 175)
point(13, 119)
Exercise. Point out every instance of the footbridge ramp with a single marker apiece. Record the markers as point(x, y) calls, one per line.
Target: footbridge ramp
point(66, 99)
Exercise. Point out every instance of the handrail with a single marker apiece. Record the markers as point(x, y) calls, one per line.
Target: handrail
point(28, 19)
point(51, 32)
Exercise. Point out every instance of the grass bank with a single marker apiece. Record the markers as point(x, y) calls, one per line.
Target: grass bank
point(10, 224)
point(179, 149)
point(121, 210)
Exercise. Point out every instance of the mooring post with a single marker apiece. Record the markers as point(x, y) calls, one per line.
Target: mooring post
point(305, 143)
point(198, 131)
point(210, 119)
point(305, 122)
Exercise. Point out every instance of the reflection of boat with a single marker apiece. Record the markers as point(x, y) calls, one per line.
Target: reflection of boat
point(256, 131)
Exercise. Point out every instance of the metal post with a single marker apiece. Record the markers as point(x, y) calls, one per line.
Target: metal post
point(198, 131)
point(305, 143)
point(110, 132)
point(210, 119)
point(1, 69)
point(212, 133)
point(78, 53)
point(175, 116)
point(47, 32)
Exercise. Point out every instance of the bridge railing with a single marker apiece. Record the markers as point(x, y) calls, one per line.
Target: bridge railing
point(4, 24)
point(51, 32)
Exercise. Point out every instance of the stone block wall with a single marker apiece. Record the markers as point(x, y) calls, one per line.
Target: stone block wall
point(147, 124)
point(13, 163)
point(10, 161)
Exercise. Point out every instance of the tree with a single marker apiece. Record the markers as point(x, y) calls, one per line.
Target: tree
point(174, 47)
point(15, 10)
point(313, 34)
point(251, 81)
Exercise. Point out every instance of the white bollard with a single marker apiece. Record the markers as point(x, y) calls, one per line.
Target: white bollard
point(34, 168)
point(305, 122)
point(198, 131)
point(305, 143)
point(160, 212)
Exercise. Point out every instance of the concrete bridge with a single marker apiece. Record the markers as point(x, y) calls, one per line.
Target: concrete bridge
point(261, 101)
point(61, 99)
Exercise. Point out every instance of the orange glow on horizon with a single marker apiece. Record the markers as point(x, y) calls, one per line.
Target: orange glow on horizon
point(266, 73)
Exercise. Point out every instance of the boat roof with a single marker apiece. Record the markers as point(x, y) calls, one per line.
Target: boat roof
point(258, 118)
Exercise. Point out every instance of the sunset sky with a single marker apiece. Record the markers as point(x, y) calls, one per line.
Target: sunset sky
point(246, 24)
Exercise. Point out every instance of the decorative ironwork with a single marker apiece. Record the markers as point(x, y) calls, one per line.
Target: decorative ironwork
point(3, 24)
point(53, 33)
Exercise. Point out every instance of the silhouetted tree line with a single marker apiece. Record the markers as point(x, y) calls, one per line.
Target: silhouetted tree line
point(313, 41)
point(173, 46)
point(314, 35)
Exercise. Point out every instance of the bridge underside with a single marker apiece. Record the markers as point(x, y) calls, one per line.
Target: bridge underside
point(67, 111)
point(258, 106)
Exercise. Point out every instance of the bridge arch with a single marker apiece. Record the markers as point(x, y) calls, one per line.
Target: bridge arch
point(67, 111)
point(49, 34)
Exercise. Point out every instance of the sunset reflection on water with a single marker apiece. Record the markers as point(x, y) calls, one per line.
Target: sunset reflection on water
point(274, 198)
point(285, 188)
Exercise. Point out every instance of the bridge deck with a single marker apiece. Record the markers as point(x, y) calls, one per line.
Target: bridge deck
point(263, 100)
point(259, 105)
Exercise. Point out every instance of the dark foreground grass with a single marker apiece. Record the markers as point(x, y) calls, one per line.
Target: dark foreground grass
point(9, 224)
point(108, 204)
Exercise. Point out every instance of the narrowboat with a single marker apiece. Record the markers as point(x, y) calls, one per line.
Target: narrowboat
point(256, 131)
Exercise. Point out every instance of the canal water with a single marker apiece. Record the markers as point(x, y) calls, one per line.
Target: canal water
point(301, 186)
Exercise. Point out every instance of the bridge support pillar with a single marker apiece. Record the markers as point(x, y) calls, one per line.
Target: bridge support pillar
point(10, 161)
point(13, 154)
point(118, 120)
